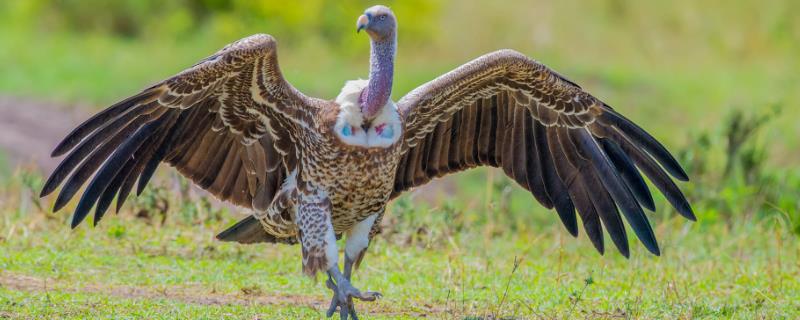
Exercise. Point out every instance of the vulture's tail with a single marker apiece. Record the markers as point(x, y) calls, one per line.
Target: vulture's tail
point(249, 231)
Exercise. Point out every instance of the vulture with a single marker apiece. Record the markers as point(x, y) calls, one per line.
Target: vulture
point(310, 171)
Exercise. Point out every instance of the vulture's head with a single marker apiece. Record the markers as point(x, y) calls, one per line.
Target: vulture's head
point(379, 22)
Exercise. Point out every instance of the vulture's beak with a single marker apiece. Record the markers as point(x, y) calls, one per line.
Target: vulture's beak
point(362, 22)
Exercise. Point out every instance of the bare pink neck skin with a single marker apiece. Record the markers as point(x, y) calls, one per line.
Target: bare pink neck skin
point(381, 71)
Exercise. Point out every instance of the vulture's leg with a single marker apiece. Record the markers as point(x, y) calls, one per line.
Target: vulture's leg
point(343, 291)
point(356, 245)
point(318, 242)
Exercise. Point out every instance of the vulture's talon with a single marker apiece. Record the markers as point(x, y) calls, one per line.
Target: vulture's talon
point(330, 285)
point(343, 294)
point(369, 296)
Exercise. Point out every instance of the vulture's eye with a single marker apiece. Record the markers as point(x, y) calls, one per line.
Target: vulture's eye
point(382, 17)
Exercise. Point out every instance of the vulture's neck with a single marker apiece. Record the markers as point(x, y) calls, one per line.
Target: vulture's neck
point(381, 71)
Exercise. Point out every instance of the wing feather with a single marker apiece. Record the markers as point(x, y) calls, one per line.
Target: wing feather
point(110, 168)
point(573, 152)
point(646, 142)
point(485, 125)
point(470, 134)
point(607, 210)
point(220, 123)
point(519, 168)
point(533, 163)
point(104, 202)
point(455, 152)
point(618, 190)
point(628, 172)
point(553, 184)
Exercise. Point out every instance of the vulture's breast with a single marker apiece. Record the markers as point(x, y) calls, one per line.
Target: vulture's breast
point(358, 180)
point(355, 164)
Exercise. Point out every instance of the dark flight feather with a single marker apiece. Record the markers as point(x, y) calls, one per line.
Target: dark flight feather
point(100, 119)
point(166, 123)
point(646, 141)
point(627, 170)
point(109, 169)
point(619, 192)
point(571, 150)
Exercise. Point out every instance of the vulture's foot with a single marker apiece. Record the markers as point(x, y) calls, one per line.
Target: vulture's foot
point(343, 294)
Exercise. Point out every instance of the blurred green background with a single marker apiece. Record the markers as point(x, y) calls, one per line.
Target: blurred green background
point(675, 67)
point(717, 81)
point(693, 73)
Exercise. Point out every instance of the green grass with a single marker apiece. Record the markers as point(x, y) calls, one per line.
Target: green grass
point(138, 267)
point(678, 69)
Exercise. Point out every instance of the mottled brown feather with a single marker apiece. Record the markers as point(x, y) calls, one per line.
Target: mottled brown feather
point(227, 104)
point(511, 112)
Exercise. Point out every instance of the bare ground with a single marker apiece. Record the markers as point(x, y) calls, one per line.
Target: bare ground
point(197, 295)
point(29, 129)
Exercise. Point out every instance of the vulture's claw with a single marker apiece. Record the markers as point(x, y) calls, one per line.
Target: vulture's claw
point(343, 295)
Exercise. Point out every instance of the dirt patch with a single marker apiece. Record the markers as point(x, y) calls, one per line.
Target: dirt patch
point(191, 295)
point(200, 295)
point(30, 129)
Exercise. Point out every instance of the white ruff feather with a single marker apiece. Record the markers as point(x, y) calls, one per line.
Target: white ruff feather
point(350, 115)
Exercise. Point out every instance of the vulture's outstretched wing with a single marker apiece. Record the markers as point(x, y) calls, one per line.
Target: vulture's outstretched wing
point(568, 148)
point(224, 123)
